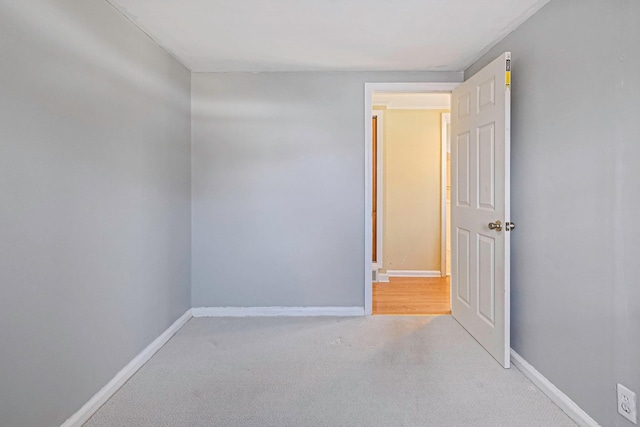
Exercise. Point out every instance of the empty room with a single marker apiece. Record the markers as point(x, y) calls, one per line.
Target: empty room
point(195, 222)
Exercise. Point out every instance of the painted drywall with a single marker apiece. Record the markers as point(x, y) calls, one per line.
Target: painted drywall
point(278, 187)
point(575, 179)
point(412, 173)
point(94, 202)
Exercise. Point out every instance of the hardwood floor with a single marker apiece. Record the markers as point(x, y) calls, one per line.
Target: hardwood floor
point(412, 296)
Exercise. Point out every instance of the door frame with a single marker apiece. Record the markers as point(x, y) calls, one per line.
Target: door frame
point(380, 193)
point(369, 89)
point(445, 128)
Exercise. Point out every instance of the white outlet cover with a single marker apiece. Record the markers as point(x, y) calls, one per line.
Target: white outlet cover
point(627, 406)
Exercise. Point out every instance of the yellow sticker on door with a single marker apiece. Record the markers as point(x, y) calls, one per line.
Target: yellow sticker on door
point(507, 74)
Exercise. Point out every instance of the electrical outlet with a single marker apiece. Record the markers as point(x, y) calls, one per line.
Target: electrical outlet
point(627, 404)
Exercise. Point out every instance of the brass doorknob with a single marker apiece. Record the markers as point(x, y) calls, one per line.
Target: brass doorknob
point(495, 225)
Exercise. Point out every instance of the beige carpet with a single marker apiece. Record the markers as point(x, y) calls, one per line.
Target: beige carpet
point(365, 371)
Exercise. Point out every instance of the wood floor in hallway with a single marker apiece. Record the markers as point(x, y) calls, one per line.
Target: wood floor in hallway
point(412, 296)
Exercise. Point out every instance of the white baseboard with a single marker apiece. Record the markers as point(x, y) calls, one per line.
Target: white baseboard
point(565, 403)
point(414, 273)
point(100, 398)
point(276, 311)
point(383, 278)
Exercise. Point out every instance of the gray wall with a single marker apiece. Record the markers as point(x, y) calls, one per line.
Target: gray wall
point(278, 187)
point(94, 202)
point(575, 179)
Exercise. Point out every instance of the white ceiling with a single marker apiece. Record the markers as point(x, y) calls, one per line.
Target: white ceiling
point(340, 35)
point(413, 101)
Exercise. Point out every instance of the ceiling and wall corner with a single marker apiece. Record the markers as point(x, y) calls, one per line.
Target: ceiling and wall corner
point(293, 35)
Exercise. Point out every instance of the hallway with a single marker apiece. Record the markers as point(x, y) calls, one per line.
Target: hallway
point(412, 296)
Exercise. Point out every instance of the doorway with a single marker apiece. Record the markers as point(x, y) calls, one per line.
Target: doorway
point(480, 207)
point(410, 153)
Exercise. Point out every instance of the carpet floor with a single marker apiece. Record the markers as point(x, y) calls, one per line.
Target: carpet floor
point(326, 371)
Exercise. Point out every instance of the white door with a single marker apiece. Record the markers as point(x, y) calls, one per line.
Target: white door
point(480, 214)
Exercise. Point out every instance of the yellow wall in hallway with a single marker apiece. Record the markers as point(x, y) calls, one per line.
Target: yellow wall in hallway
point(411, 183)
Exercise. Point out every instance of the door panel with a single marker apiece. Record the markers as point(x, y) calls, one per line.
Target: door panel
point(486, 167)
point(486, 278)
point(480, 184)
point(462, 172)
point(462, 267)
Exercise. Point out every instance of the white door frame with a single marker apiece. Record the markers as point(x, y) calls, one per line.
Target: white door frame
point(446, 123)
point(369, 89)
point(380, 142)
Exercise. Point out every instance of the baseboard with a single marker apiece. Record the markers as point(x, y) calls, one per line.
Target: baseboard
point(100, 398)
point(414, 273)
point(565, 403)
point(276, 311)
point(383, 278)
